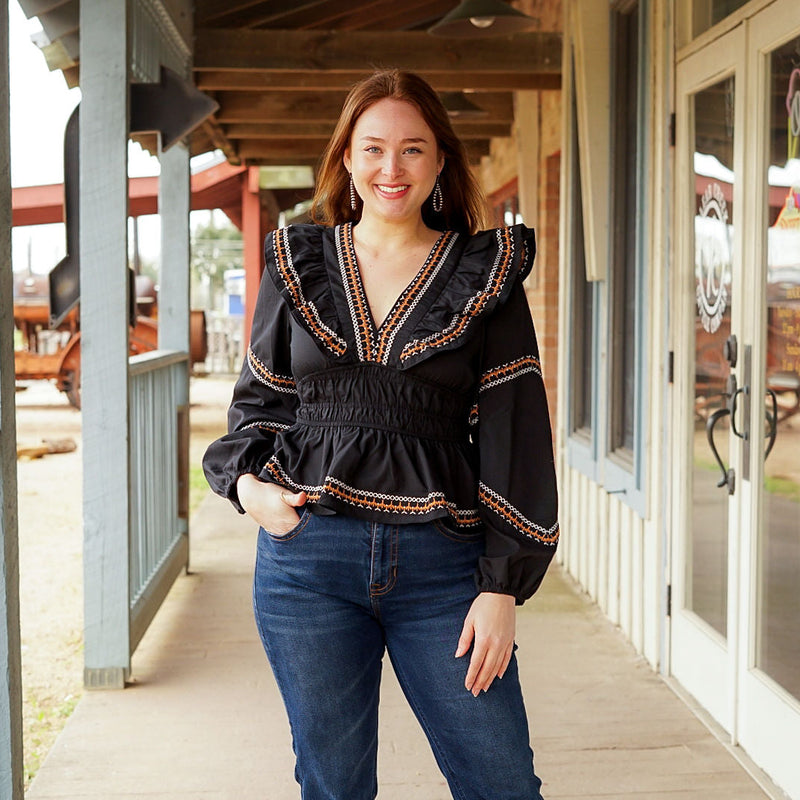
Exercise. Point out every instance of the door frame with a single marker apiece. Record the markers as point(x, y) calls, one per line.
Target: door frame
point(699, 655)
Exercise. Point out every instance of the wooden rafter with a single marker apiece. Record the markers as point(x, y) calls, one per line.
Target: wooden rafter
point(355, 51)
point(324, 130)
point(278, 81)
point(311, 106)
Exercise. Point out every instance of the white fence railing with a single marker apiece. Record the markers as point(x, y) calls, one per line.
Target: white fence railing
point(159, 470)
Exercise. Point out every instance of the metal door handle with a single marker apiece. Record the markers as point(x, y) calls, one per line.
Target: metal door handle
point(728, 475)
point(772, 423)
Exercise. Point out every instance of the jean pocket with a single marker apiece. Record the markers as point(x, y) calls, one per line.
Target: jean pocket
point(305, 517)
point(449, 529)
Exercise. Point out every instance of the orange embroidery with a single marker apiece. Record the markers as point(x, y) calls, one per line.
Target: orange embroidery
point(375, 501)
point(283, 262)
point(475, 305)
point(375, 345)
point(509, 371)
point(280, 383)
point(492, 500)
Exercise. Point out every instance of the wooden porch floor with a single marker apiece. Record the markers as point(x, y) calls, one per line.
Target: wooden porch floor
point(203, 718)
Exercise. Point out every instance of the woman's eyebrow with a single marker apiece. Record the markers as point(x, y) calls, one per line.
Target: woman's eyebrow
point(412, 140)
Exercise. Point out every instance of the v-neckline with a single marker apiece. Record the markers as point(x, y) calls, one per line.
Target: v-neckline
point(375, 341)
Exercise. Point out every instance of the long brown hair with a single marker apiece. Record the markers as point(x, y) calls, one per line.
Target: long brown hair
point(464, 207)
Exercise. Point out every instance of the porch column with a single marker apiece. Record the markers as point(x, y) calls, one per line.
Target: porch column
point(104, 339)
point(253, 241)
point(10, 673)
point(174, 302)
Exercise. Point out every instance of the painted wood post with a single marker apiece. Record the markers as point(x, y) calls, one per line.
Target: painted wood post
point(11, 772)
point(104, 339)
point(174, 199)
point(253, 243)
point(174, 304)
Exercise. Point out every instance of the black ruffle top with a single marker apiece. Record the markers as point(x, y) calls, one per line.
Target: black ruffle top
point(438, 413)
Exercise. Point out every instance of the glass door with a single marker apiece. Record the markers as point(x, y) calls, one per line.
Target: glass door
point(769, 703)
point(735, 562)
point(708, 294)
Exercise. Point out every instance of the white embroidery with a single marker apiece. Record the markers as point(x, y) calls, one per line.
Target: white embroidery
point(514, 517)
point(420, 294)
point(372, 499)
point(268, 425)
point(279, 383)
point(510, 371)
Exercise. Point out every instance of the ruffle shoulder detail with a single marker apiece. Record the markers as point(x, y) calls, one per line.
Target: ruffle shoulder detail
point(295, 258)
point(483, 276)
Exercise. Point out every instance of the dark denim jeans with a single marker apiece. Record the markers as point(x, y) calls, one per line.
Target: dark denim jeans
point(329, 597)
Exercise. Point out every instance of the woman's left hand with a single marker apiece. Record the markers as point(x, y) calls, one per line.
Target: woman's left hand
point(489, 626)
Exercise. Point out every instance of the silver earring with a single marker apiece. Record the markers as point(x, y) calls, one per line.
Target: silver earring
point(438, 199)
point(352, 194)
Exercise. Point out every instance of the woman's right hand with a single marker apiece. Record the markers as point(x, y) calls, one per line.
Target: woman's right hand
point(271, 506)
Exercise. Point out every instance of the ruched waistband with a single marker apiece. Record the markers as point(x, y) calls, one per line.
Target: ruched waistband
point(374, 396)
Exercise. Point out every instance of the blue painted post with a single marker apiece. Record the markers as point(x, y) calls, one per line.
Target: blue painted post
point(11, 782)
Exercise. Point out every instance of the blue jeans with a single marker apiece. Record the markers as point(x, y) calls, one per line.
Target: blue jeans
point(329, 597)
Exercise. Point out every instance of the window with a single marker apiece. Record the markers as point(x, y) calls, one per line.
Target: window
point(624, 251)
point(582, 302)
point(504, 205)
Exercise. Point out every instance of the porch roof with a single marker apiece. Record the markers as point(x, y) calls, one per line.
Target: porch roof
point(280, 70)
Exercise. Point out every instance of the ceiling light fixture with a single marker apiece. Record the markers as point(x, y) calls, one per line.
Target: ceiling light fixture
point(482, 18)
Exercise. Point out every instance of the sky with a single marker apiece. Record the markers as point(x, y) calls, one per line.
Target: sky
point(40, 106)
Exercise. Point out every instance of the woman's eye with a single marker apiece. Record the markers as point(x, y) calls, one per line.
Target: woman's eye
point(413, 150)
point(372, 149)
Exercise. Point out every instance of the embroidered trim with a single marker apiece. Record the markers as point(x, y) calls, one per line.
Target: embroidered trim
point(476, 303)
point(267, 425)
point(375, 501)
point(354, 291)
point(280, 383)
point(307, 309)
point(473, 415)
point(371, 344)
point(507, 372)
point(495, 502)
point(410, 298)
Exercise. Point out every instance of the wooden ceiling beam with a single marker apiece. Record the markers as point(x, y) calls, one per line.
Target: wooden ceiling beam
point(305, 151)
point(324, 130)
point(404, 16)
point(303, 107)
point(237, 80)
point(248, 13)
point(328, 15)
point(355, 51)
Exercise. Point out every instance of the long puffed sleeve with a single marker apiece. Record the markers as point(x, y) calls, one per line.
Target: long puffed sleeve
point(264, 399)
point(517, 490)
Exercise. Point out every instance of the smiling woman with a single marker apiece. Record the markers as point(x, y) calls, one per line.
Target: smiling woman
point(389, 406)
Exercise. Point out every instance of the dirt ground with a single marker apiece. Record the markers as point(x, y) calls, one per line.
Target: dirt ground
point(50, 544)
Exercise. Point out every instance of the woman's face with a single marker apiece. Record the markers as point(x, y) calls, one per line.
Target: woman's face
point(394, 159)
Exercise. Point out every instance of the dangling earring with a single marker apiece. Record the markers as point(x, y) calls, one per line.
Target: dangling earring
point(438, 200)
point(352, 194)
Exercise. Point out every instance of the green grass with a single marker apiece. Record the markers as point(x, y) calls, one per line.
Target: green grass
point(198, 487)
point(783, 487)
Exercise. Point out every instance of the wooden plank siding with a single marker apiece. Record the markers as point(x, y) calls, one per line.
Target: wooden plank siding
point(614, 555)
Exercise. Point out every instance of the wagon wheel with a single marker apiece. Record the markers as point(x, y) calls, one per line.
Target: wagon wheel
point(69, 372)
point(72, 388)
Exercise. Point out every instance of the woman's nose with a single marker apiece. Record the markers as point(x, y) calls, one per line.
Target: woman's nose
point(391, 166)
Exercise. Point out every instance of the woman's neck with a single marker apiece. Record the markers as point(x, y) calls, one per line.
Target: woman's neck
point(379, 234)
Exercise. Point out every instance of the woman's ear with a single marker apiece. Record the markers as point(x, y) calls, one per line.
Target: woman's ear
point(440, 165)
point(346, 160)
